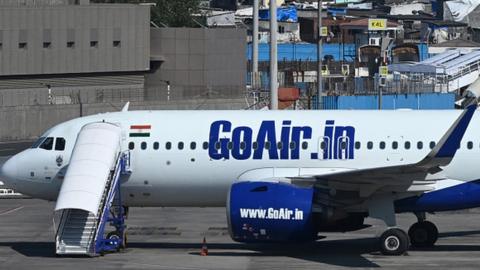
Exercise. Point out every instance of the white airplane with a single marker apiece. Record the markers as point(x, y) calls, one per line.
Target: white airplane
point(282, 175)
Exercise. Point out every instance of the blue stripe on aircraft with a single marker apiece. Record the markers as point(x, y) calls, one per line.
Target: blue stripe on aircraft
point(452, 143)
point(462, 196)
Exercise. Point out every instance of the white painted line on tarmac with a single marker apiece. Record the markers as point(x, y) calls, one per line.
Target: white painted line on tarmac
point(11, 210)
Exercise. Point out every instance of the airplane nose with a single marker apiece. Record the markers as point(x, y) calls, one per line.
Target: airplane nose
point(9, 171)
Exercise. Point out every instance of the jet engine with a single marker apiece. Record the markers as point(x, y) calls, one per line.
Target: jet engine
point(270, 212)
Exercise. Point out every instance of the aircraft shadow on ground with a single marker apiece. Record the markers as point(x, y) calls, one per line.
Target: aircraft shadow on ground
point(345, 252)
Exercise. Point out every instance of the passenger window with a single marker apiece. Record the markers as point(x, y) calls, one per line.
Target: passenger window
point(168, 145)
point(267, 145)
point(382, 145)
point(432, 144)
point(419, 145)
point(293, 145)
point(180, 145)
point(217, 145)
point(60, 144)
point(343, 145)
point(407, 145)
point(156, 145)
point(205, 145)
point(323, 145)
point(143, 145)
point(47, 144)
point(470, 145)
point(193, 145)
point(230, 145)
point(357, 145)
point(370, 145)
point(394, 145)
point(243, 145)
point(255, 145)
point(131, 145)
point(280, 145)
point(304, 145)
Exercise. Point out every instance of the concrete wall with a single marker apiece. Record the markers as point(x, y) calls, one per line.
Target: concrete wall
point(62, 39)
point(29, 122)
point(198, 63)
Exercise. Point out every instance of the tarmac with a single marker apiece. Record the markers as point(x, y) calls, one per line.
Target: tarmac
point(171, 238)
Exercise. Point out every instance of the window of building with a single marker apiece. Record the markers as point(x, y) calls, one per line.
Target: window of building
point(369, 145)
point(60, 144)
point(432, 144)
point(407, 145)
point(143, 145)
point(469, 145)
point(117, 36)
point(382, 145)
point(193, 145)
point(116, 43)
point(93, 37)
point(47, 38)
point(70, 38)
point(394, 145)
point(168, 145)
point(131, 145)
point(156, 145)
point(281, 29)
point(22, 39)
point(205, 145)
point(47, 144)
point(357, 145)
point(419, 145)
point(180, 145)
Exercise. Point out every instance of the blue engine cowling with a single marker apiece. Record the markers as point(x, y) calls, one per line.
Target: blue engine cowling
point(270, 212)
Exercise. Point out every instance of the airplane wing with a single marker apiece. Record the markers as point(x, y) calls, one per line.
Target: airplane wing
point(402, 176)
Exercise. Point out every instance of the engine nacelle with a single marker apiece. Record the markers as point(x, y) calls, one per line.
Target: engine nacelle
point(270, 212)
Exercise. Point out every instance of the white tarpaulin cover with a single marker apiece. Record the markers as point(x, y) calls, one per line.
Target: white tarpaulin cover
point(93, 156)
point(461, 8)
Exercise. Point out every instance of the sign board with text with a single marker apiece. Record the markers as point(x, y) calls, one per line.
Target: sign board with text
point(377, 24)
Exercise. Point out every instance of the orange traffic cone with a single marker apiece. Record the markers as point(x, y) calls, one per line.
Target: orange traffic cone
point(204, 251)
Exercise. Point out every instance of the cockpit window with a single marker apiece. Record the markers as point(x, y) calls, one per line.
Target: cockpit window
point(38, 142)
point(60, 144)
point(47, 144)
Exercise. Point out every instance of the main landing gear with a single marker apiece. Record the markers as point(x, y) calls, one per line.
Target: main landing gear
point(423, 233)
point(394, 241)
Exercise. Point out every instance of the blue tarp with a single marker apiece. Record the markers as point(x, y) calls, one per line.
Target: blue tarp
point(284, 14)
point(304, 51)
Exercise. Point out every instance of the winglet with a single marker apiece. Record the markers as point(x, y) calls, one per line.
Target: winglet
point(448, 145)
point(125, 107)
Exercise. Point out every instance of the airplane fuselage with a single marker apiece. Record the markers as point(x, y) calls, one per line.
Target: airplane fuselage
point(191, 158)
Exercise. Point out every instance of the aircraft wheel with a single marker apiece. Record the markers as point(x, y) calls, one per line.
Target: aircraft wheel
point(423, 234)
point(116, 235)
point(394, 242)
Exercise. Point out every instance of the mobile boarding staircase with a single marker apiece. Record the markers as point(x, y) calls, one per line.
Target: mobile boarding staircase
point(90, 198)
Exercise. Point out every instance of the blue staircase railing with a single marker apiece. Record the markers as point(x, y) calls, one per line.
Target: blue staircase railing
point(113, 212)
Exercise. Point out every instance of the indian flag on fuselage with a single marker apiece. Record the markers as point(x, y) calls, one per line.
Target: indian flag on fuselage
point(140, 130)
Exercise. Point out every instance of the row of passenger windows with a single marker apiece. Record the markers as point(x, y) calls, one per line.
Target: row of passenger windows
point(343, 145)
point(193, 145)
